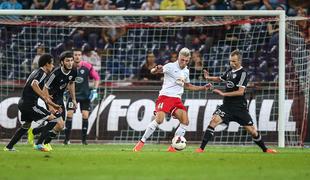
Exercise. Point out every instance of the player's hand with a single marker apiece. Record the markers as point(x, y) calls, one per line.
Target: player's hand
point(209, 86)
point(93, 95)
point(74, 104)
point(219, 92)
point(159, 67)
point(206, 74)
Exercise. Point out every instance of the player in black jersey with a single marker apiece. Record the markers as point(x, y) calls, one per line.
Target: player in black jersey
point(28, 104)
point(84, 95)
point(59, 80)
point(234, 107)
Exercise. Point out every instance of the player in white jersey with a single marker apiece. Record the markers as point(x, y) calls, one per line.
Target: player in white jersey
point(176, 78)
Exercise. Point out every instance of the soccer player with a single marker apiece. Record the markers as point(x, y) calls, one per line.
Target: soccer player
point(176, 78)
point(28, 107)
point(234, 107)
point(62, 77)
point(83, 95)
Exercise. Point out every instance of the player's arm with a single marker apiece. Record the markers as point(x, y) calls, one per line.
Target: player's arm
point(36, 88)
point(192, 87)
point(157, 69)
point(46, 87)
point(211, 78)
point(239, 92)
point(71, 88)
point(95, 76)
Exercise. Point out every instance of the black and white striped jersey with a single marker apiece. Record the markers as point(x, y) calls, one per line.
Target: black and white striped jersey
point(57, 82)
point(28, 95)
point(235, 79)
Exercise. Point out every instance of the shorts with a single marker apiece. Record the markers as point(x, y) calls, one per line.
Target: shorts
point(169, 104)
point(236, 114)
point(31, 113)
point(84, 104)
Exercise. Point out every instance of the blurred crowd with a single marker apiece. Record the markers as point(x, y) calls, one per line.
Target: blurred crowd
point(290, 6)
point(205, 42)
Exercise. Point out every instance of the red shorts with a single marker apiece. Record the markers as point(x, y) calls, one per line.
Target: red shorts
point(168, 104)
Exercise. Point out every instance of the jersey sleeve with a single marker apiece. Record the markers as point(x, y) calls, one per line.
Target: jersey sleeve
point(167, 68)
point(243, 80)
point(93, 74)
point(39, 76)
point(50, 80)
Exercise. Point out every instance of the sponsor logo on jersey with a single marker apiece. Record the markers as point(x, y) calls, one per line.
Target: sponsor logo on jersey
point(63, 86)
point(79, 80)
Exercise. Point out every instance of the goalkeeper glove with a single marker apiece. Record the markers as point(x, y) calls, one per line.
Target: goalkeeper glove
point(93, 95)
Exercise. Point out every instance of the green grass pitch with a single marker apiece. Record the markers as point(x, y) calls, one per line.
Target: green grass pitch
point(97, 162)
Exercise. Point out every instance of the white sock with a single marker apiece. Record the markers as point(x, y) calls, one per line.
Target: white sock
point(181, 130)
point(149, 130)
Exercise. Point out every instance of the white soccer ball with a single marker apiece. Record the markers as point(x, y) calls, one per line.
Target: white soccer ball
point(179, 143)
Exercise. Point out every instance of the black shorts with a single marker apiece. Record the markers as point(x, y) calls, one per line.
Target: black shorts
point(238, 114)
point(31, 113)
point(84, 104)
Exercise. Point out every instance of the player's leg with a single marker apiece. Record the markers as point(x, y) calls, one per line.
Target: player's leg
point(159, 118)
point(257, 138)
point(85, 108)
point(17, 136)
point(85, 115)
point(182, 116)
point(53, 133)
point(68, 125)
point(52, 121)
point(209, 133)
point(59, 126)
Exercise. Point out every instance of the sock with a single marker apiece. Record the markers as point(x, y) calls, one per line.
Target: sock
point(84, 129)
point(207, 136)
point(181, 130)
point(68, 128)
point(17, 136)
point(149, 130)
point(258, 140)
point(45, 131)
point(52, 134)
point(37, 130)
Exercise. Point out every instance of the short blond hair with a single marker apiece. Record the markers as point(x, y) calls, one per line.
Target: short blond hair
point(236, 53)
point(185, 52)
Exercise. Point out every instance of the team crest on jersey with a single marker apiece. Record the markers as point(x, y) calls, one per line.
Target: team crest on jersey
point(230, 84)
point(234, 76)
point(82, 71)
point(70, 78)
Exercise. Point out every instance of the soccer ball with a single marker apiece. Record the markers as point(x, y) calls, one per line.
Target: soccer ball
point(179, 143)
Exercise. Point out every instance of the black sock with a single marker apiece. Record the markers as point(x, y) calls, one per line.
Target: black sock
point(50, 136)
point(258, 140)
point(37, 130)
point(17, 136)
point(84, 129)
point(45, 131)
point(68, 128)
point(207, 136)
